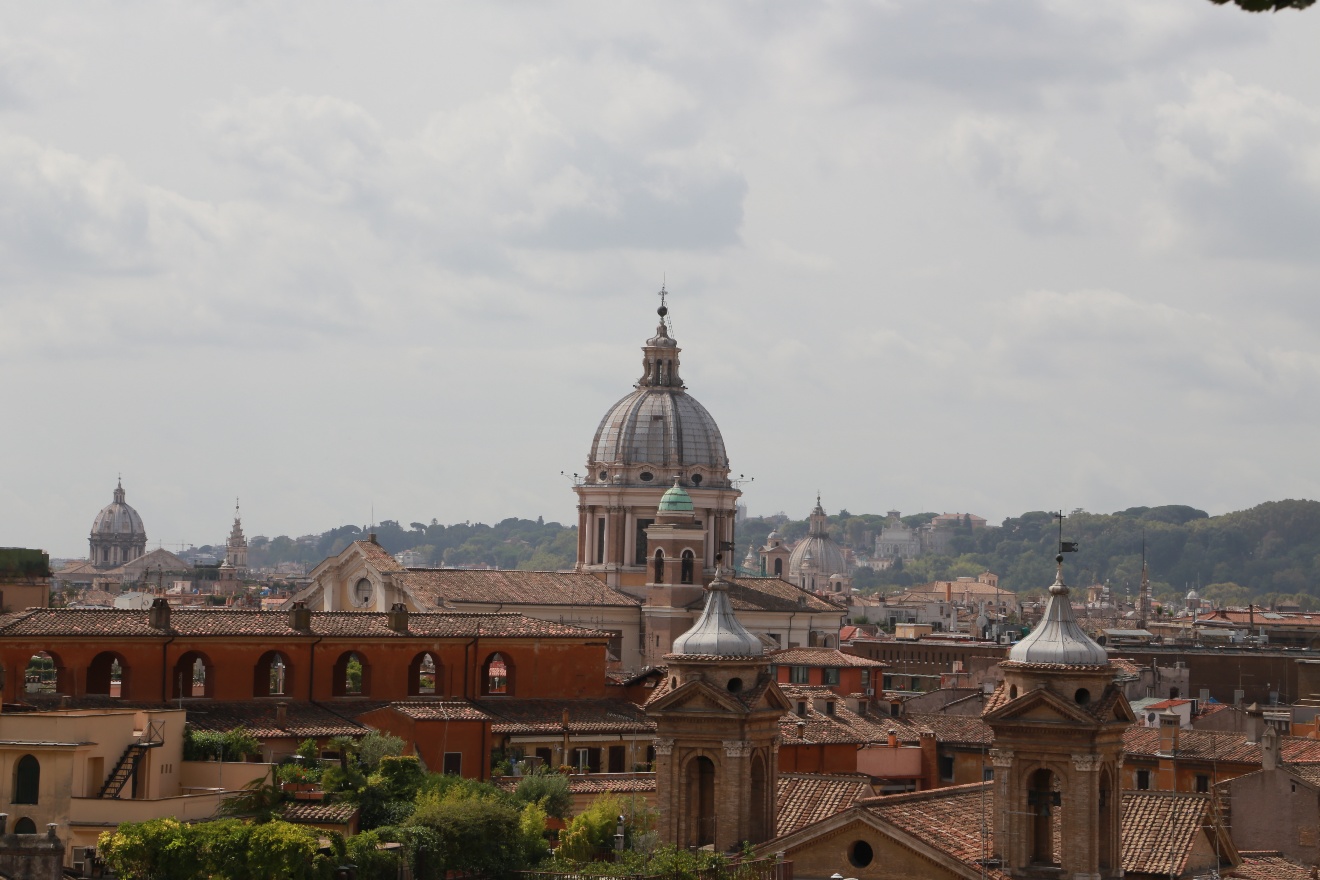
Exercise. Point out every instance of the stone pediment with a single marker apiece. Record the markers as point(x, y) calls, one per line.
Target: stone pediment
point(698, 696)
point(1041, 705)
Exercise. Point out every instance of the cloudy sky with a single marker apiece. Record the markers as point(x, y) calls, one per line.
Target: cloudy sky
point(336, 258)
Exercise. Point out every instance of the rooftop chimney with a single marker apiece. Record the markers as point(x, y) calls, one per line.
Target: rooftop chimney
point(398, 617)
point(1255, 723)
point(1169, 726)
point(282, 715)
point(1271, 749)
point(300, 617)
point(372, 538)
point(158, 617)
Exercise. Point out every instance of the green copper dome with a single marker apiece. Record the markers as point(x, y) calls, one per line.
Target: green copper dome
point(676, 500)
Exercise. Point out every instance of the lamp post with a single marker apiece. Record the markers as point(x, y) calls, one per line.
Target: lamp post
point(618, 836)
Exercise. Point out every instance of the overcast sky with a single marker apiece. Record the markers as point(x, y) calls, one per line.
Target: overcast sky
point(951, 256)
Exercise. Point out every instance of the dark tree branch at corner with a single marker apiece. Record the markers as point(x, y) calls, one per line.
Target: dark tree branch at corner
point(1267, 5)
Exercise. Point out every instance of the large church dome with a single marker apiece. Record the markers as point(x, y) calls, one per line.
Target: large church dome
point(118, 518)
point(118, 535)
point(658, 430)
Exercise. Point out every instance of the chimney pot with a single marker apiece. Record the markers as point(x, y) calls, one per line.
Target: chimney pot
point(158, 617)
point(398, 617)
point(300, 617)
point(282, 715)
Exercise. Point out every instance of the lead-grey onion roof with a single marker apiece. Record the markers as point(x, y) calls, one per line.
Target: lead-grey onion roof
point(1058, 638)
point(717, 631)
point(118, 518)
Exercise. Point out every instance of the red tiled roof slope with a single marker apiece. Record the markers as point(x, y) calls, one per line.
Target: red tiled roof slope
point(804, 798)
point(437, 586)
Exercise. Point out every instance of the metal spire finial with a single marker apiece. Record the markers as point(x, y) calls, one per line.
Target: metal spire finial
point(664, 309)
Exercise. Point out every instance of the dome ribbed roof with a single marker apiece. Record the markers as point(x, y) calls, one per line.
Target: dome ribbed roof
point(818, 548)
point(665, 427)
point(1058, 638)
point(717, 631)
point(659, 423)
point(118, 518)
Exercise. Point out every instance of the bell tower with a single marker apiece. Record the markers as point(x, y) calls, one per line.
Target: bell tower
point(1058, 722)
point(717, 733)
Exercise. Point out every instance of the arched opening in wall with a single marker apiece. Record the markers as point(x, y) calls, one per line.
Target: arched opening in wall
point(27, 782)
point(497, 676)
point(1045, 805)
point(1107, 856)
point(658, 576)
point(351, 676)
point(273, 676)
point(1173, 693)
point(779, 567)
point(424, 676)
point(45, 674)
point(760, 802)
point(688, 564)
point(194, 676)
point(813, 639)
point(107, 675)
point(699, 804)
point(25, 826)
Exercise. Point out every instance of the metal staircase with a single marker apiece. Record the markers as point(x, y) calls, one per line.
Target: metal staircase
point(128, 762)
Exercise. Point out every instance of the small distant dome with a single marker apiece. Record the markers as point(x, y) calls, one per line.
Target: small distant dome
point(676, 500)
point(1192, 594)
point(1058, 638)
point(818, 551)
point(717, 632)
point(773, 536)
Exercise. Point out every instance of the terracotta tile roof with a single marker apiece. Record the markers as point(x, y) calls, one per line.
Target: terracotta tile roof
point(377, 556)
point(955, 729)
point(1269, 865)
point(951, 819)
point(1123, 666)
point(230, 623)
point(302, 720)
point(515, 716)
point(1307, 772)
point(436, 710)
point(773, 594)
point(821, 657)
point(1159, 830)
point(1211, 745)
point(318, 814)
point(627, 783)
point(803, 798)
point(435, 587)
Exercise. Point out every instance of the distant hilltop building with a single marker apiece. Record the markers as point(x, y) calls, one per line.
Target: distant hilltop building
point(898, 540)
point(118, 536)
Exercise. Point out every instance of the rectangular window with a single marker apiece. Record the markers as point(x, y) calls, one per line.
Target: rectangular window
point(829, 708)
point(583, 762)
point(454, 763)
point(946, 768)
point(545, 755)
point(798, 675)
point(1143, 780)
point(802, 709)
point(1202, 783)
point(775, 637)
point(618, 755)
point(866, 678)
point(600, 540)
point(987, 774)
point(639, 553)
point(831, 675)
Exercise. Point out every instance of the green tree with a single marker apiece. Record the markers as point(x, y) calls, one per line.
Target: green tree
point(159, 849)
point(470, 835)
point(549, 790)
point(376, 745)
point(284, 851)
